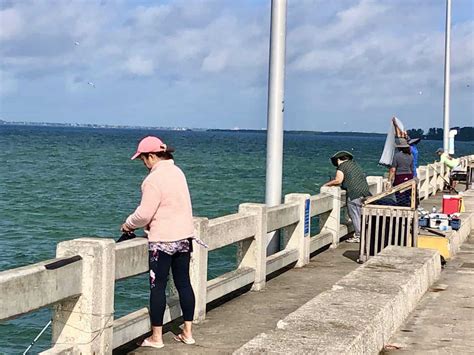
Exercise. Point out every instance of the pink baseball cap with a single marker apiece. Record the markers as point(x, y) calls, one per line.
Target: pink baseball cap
point(151, 144)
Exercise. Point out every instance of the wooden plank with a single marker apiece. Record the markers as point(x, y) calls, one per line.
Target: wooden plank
point(384, 225)
point(390, 230)
point(403, 233)
point(413, 195)
point(376, 235)
point(368, 237)
point(394, 189)
point(390, 207)
point(362, 236)
point(415, 229)
point(409, 229)
point(396, 236)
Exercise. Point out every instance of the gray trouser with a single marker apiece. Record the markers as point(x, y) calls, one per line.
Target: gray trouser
point(354, 208)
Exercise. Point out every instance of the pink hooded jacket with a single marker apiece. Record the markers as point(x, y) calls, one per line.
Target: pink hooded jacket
point(165, 210)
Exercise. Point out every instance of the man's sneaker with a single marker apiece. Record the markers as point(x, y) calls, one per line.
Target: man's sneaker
point(354, 239)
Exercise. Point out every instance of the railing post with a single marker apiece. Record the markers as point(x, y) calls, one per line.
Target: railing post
point(441, 176)
point(332, 221)
point(86, 321)
point(446, 172)
point(253, 252)
point(198, 269)
point(434, 181)
point(429, 179)
point(375, 184)
point(297, 238)
point(424, 181)
point(420, 179)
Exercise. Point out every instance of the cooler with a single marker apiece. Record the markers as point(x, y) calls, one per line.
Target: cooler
point(451, 204)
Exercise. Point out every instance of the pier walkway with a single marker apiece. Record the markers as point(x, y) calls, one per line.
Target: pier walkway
point(234, 323)
point(443, 322)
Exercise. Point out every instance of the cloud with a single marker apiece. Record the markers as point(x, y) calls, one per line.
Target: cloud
point(215, 61)
point(343, 57)
point(11, 24)
point(382, 62)
point(140, 66)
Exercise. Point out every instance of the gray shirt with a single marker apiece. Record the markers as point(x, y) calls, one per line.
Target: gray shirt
point(403, 163)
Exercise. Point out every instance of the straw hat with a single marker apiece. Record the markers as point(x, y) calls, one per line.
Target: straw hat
point(401, 143)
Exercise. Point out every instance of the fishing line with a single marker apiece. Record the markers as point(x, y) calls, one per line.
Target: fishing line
point(99, 331)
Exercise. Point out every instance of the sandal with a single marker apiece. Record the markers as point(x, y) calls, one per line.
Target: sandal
point(147, 343)
point(181, 338)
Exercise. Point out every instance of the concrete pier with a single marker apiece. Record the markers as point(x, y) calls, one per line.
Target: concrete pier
point(360, 312)
point(443, 322)
point(265, 299)
point(234, 323)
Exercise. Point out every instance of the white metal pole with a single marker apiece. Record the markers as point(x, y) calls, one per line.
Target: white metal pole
point(447, 66)
point(276, 90)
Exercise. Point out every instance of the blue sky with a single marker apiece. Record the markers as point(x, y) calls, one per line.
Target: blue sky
point(351, 64)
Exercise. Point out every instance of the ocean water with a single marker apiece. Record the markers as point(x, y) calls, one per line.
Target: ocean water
point(63, 183)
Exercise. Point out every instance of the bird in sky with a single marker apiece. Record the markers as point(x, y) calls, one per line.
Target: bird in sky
point(91, 84)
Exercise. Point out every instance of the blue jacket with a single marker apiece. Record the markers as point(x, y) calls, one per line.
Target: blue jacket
point(414, 152)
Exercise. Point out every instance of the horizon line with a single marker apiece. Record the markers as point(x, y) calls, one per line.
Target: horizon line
point(176, 128)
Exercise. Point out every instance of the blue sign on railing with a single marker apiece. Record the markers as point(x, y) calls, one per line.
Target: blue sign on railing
point(307, 206)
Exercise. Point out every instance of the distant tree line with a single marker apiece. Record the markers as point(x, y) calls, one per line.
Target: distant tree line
point(464, 133)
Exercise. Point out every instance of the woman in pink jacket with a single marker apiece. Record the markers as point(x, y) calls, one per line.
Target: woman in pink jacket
point(165, 213)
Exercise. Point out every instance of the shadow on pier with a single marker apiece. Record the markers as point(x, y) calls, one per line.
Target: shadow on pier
point(237, 320)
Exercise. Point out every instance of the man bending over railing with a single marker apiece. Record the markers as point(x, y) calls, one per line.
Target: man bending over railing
point(351, 178)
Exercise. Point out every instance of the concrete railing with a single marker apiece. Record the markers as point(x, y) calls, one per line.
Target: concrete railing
point(80, 282)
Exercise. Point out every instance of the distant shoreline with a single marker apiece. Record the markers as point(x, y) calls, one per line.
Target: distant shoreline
point(107, 126)
point(182, 129)
point(314, 133)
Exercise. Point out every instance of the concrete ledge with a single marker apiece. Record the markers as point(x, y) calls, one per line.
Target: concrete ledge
point(451, 243)
point(229, 282)
point(282, 215)
point(360, 313)
point(281, 259)
point(61, 350)
point(456, 238)
point(138, 323)
point(31, 287)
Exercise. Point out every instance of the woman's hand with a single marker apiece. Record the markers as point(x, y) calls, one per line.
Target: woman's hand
point(125, 228)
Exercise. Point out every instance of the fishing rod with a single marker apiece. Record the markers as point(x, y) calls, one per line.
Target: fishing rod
point(446, 181)
point(37, 337)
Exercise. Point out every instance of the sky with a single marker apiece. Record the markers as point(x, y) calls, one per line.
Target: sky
point(350, 64)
